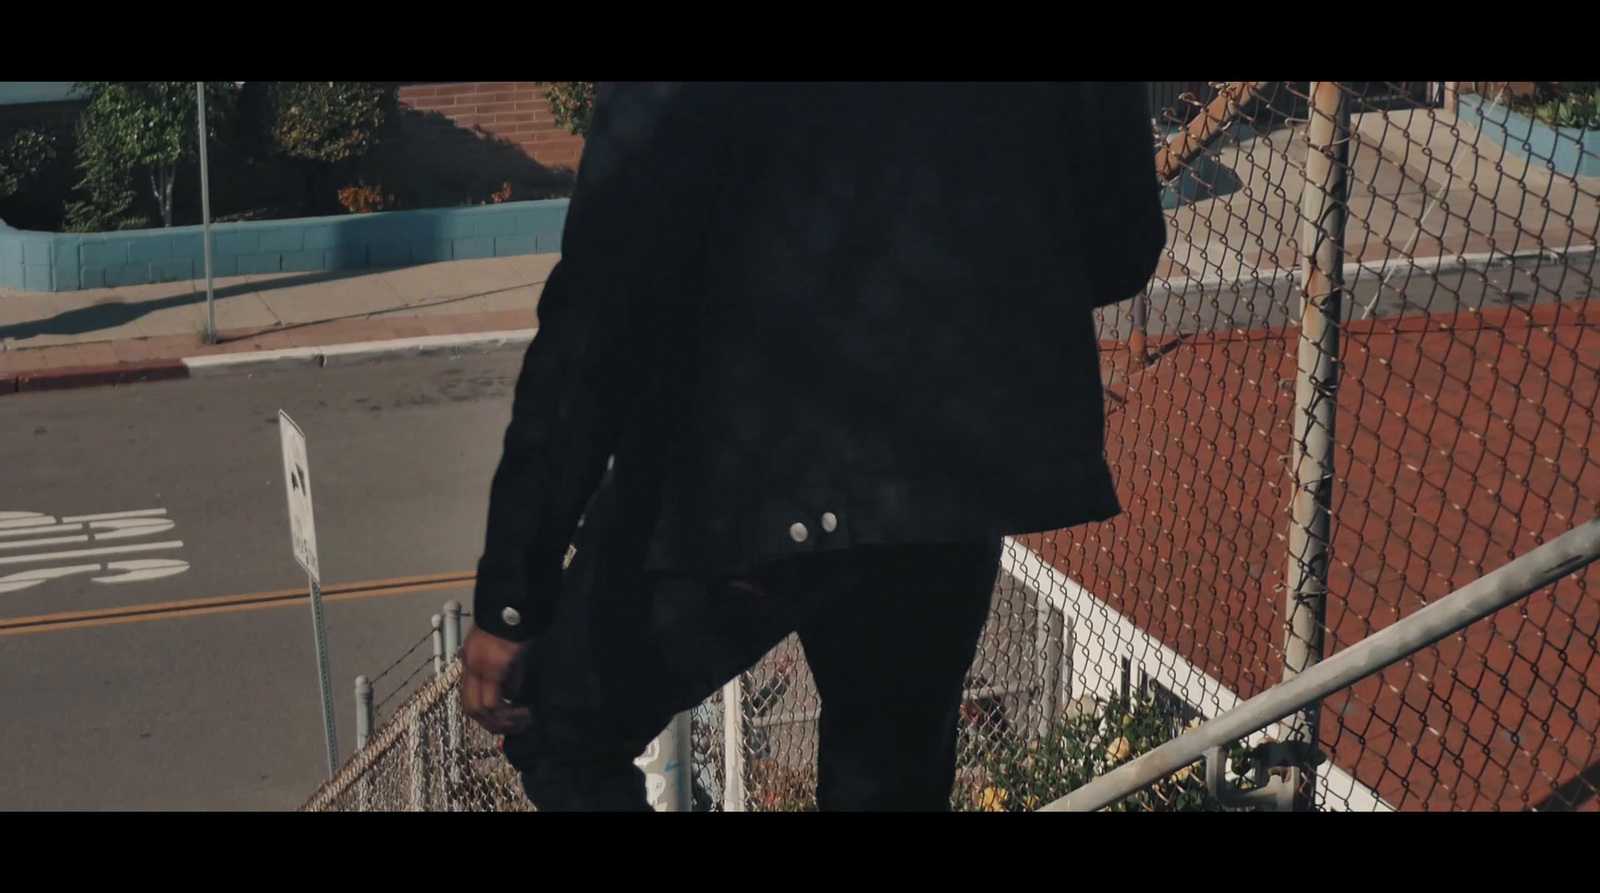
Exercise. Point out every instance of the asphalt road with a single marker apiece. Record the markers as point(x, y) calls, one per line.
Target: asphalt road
point(221, 711)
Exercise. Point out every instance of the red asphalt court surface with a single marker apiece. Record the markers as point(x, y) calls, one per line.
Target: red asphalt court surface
point(1465, 440)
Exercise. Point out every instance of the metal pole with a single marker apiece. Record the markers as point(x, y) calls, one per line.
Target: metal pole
point(205, 215)
point(1048, 652)
point(419, 770)
point(364, 724)
point(1566, 554)
point(364, 718)
point(453, 728)
point(1316, 398)
point(1138, 343)
point(733, 795)
point(438, 644)
point(324, 681)
point(452, 630)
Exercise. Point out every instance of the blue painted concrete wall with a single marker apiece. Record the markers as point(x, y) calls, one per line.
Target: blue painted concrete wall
point(1565, 150)
point(33, 261)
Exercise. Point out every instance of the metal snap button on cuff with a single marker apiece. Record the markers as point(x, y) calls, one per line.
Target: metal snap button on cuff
point(510, 616)
point(830, 522)
point(798, 532)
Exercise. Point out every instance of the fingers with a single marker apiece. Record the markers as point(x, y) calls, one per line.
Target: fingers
point(481, 701)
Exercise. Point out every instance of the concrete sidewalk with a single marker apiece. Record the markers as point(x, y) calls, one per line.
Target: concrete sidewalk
point(1421, 185)
point(103, 330)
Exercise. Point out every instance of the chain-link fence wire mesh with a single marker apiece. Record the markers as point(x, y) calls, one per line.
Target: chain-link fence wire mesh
point(1462, 382)
point(427, 758)
point(1463, 435)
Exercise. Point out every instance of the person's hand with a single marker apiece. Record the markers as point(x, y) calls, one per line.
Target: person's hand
point(489, 676)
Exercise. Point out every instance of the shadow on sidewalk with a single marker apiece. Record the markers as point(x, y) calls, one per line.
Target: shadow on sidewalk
point(110, 314)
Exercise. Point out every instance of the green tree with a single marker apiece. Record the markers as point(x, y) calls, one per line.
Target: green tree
point(327, 127)
point(132, 136)
point(23, 154)
point(572, 102)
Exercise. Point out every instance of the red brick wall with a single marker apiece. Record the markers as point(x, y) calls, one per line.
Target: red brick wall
point(515, 111)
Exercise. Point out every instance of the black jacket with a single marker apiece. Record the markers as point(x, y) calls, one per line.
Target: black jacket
point(811, 316)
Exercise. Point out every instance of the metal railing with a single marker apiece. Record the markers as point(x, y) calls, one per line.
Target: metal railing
point(1501, 588)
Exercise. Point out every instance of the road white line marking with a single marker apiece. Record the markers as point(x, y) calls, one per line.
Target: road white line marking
point(9, 520)
point(143, 569)
point(85, 553)
point(141, 513)
point(24, 579)
point(50, 541)
point(128, 527)
point(53, 528)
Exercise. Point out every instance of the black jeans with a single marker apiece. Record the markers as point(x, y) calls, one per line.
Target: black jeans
point(889, 633)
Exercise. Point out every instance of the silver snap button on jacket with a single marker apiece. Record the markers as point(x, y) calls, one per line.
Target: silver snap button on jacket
point(510, 616)
point(798, 532)
point(830, 522)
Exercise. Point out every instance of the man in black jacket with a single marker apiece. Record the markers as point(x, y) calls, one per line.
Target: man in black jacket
point(810, 353)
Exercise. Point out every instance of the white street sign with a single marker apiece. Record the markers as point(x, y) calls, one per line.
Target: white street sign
point(297, 479)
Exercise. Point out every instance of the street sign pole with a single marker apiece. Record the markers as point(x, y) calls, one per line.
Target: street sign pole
point(205, 214)
point(303, 540)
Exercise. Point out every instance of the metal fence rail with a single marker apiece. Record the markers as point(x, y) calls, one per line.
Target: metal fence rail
point(1365, 373)
point(1521, 578)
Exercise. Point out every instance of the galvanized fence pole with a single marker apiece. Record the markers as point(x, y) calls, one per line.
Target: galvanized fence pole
point(1323, 206)
point(452, 630)
point(1049, 642)
point(364, 724)
point(438, 644)
point(733, 796)
point(363, 712)
point(453, 719)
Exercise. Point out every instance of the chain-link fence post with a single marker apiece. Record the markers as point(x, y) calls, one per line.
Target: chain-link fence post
point(1048, 657)
point(1323, 205)
point(364, 716)
point(1138, 337)
point(364, 724)
point(453, 719)
point(452, 629)
point(733, 795)
point(438, 644)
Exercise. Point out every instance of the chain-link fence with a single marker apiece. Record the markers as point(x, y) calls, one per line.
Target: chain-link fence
point(1364, 376)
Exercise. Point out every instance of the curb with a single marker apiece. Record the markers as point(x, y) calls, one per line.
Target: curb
point(91, 376)
point(211, 365)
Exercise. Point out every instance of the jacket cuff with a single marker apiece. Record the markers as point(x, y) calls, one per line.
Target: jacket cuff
point(498, 617)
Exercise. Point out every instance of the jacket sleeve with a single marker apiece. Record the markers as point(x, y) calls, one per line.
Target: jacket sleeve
point(631, 248)
point(1119, 195)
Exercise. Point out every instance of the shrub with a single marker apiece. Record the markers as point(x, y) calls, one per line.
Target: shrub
point(364, 199)
point(23, 156)
point(1021, 778)
point(571, 102)
point(326, 127)
point(132, 136)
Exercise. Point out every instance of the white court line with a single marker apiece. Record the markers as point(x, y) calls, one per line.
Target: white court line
point(51, 541)
point(141, 513)
point(84, 553)
point(1101, 637)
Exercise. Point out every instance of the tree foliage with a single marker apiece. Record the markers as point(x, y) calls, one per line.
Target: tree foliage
point(132, 136)
point(572, 102)
point(23, 155)
point(328, 122)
